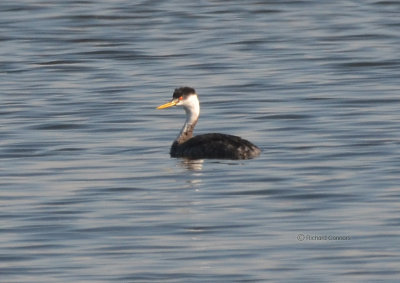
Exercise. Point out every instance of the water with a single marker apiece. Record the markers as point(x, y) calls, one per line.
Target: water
point(90, 194)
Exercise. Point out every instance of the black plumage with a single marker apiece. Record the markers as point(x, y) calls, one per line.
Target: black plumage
point(183, 92)
point(215, 145)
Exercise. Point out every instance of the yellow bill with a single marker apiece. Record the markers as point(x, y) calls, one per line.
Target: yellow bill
point(168, 104)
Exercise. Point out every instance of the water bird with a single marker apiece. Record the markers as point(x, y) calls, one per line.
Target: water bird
point(213, 145)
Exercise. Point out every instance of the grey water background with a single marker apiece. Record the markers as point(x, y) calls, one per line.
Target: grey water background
point(88, 192)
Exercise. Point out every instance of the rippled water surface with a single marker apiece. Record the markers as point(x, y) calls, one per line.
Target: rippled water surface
point(88, 192)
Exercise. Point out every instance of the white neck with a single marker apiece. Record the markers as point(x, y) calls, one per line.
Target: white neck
point(192, 109)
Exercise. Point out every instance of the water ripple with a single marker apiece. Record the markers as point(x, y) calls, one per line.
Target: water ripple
point(89, 192)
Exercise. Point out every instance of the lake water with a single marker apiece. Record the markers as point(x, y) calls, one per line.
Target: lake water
point(89, 193)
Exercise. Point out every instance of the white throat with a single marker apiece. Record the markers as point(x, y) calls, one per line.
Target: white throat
point(192, 109)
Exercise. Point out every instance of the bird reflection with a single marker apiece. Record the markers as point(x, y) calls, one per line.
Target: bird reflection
point(192, 164)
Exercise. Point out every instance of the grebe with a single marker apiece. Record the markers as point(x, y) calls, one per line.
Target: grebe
point(218, 146)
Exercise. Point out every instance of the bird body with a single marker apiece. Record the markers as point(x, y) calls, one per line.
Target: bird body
point(214, 145)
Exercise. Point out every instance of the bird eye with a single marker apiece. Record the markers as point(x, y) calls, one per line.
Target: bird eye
point(180, 98)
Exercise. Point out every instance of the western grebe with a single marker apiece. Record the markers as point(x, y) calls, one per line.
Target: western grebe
point(218, 146)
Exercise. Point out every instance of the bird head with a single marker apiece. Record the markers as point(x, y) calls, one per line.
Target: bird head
point(183, 96)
